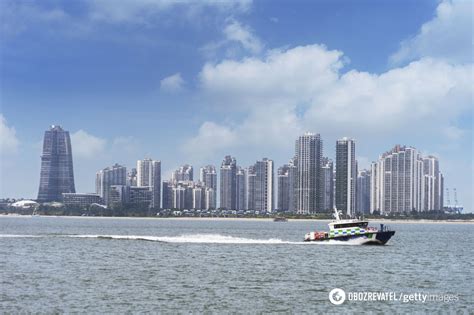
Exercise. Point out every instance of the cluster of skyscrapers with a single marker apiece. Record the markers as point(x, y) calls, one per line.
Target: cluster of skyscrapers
point(401, 180)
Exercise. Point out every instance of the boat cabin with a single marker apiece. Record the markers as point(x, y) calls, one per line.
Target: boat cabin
point(350, 224)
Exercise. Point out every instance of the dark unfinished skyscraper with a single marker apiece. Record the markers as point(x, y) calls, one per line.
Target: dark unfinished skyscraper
point(346, 176)
point(308, 186)
point(57, 175)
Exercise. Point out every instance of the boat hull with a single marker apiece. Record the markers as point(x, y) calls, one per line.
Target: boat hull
point(375, 238)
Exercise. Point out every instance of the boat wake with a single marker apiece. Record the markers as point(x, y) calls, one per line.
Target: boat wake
point(185, 239)
point(190, 238)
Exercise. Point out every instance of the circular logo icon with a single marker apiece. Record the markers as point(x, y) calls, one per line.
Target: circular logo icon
point(337, 296)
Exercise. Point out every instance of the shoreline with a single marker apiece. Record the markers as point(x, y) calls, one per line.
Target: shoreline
point(409, 221)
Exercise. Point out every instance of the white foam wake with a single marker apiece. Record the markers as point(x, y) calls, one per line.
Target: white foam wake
point(190, 238)
point(18, 236)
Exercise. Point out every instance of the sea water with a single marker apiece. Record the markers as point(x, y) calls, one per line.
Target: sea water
point(110, 265)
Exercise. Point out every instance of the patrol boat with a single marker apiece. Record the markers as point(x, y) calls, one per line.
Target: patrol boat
point(352, 231)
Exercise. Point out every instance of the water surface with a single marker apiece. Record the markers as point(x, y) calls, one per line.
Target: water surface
point(63, 264)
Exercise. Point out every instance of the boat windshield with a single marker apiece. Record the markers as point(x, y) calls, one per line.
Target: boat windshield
point(352, 224)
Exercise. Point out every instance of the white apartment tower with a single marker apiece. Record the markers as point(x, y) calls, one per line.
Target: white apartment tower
point(149, 175)
point(396, 181)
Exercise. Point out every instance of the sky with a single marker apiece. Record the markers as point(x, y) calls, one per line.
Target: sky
point(193, 81)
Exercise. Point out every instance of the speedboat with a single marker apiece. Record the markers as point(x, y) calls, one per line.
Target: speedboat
point(351, 231)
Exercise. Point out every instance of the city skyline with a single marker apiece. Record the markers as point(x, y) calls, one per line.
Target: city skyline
point(235, 82)
point(401, 180)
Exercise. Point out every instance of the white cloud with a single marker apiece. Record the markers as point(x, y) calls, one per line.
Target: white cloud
point(448, 36)
point(210, 134)
point(16, 17)
point(238, 40)
point(125, 144)
point(290, 91)
point(147, 11)
point(235, 31)
point(87, 146)
point(282, 75)
point(173, 83)
point(19, 16)
point(8, 141)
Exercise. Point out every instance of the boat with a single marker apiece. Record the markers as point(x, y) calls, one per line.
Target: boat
point(354, 231)
point(280, 219)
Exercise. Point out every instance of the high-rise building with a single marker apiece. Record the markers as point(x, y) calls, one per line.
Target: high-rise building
point(167, 194)
point(308, 186)
point(363, 192)
point(286, 177)
point(264, 188)
point(432, 185)
point(115, 175)
point(283, 179)
point(149, 175)
point(209, 198)
point(241, 189)
point(292, 174)
point(198, 197)
point(396, 181)
point(346, 176)
point(228, 183)
point(57, 174)
point(251, 182)
point(208, 177)
point(328, 184)
point(184, 173)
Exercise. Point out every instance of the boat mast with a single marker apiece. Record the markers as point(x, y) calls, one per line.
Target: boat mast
point(336, 214)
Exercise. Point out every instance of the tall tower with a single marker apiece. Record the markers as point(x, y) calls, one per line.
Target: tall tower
point(328, 184)
point(251, 182)
point(208, 177)
point(241, 189)
point(228, 183)
point(346, 176)
point(396, 182)
point(431, 192)
point(57, 174)
point(149, 175)
point(283, 179)
point(363, 191)
point(264, 191)
point(308, 186)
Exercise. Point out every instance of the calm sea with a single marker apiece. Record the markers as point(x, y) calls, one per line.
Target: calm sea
point(105, 265)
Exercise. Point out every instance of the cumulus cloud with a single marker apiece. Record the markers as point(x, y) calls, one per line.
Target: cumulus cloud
point(173, 83)
point(448, 36)
point(235, 31)
point(303, 88)
point(210, 134)
point(282, 75)
point(8, 141)
point(86, 145)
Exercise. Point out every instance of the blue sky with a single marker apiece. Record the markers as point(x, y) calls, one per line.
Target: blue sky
point(191, 81)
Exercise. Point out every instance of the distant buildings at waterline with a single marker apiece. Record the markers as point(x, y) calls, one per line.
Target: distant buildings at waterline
point(401, 180)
